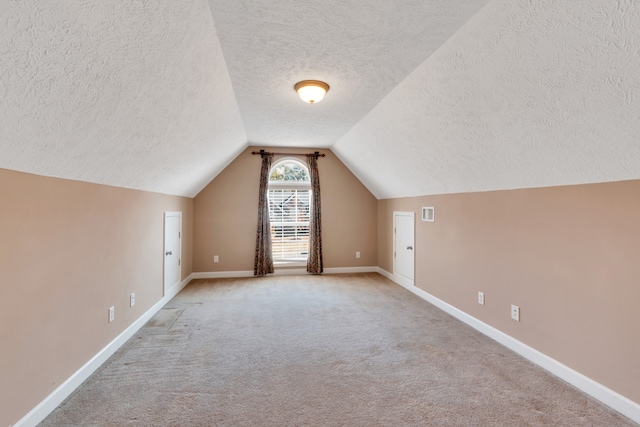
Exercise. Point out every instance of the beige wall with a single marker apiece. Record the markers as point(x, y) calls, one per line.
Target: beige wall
point(68, 251)
point(225, 215)
point(568, 256)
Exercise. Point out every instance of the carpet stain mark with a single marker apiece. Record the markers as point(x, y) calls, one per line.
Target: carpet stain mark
point(164, 340)
point(165, 318)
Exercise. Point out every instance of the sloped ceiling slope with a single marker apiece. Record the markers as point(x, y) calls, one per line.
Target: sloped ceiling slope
point(126, 93)
point(361, 48)
point(426, 97)
point(526, 94)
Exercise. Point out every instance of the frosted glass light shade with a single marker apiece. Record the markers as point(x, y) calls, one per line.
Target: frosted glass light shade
point(311, 91)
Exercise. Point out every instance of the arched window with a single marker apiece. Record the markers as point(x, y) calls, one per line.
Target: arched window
point(289, 208)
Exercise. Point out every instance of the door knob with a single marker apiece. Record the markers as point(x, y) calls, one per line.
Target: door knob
point(410, 248)
point(168, 253)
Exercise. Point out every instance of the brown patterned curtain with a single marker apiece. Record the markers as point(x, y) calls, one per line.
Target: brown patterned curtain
point(314, 261)
point(264, 261)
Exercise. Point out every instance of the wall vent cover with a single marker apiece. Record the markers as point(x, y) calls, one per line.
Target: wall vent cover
point(428, 214)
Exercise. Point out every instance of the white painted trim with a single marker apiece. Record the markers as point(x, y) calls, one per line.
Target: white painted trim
point(412, 215)
point(348, 270)
point(222, 274)
point(397, 279)
point(282, 272)
point(298, 185)
point(172, 292)
point(166, 289)
point(277, 264)
point(51, 402)
point(604, 394)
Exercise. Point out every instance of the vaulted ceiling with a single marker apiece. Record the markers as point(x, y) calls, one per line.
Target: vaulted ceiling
point(427, 96)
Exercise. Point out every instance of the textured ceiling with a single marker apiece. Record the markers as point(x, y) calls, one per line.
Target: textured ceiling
point(426, 97)
point(526, 94)
point(127, 93)
point(361, 48)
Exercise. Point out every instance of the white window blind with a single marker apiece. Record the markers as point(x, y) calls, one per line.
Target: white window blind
point(289, 218)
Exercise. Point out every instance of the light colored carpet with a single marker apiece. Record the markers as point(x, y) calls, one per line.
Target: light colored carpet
point(341, 350)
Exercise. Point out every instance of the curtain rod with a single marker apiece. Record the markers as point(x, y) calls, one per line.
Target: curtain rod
point(263, 152)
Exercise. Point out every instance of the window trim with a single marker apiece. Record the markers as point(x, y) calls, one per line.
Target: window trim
point(292, 185)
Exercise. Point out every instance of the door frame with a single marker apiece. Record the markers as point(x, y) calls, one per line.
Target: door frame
point(405, 280)
point(166, 287)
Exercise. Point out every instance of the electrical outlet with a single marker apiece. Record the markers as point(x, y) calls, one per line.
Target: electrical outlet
point(481, 298)
point(358, 254)
point(112, 314)
point(132, 299)
point(515, 312)
point(215, 258)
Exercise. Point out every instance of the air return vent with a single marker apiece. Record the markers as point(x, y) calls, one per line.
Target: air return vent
point(428, 214)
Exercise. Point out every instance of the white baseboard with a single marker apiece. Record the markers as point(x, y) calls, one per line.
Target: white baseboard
point(281, 272)
point(397, 279)
point(605, 395)
point(51, 402)
point(349, 270)
point(221, 274)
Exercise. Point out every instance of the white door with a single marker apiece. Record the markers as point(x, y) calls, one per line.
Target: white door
point(403, 246)
point(172, 237)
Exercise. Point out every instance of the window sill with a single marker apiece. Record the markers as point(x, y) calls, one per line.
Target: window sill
point(290, 263)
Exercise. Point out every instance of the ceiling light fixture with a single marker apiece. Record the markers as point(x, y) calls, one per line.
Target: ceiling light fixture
point(311, 91)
